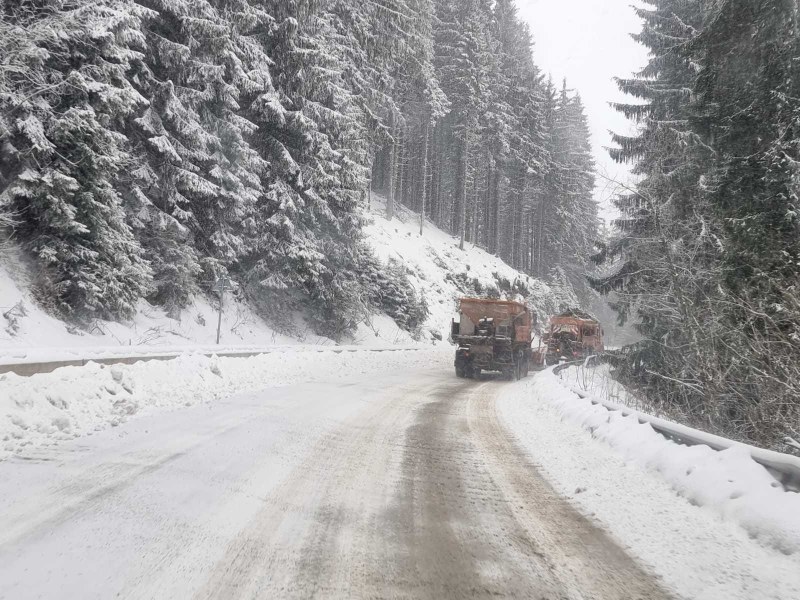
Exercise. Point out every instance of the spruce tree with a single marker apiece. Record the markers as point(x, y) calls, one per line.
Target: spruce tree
point(64, 151)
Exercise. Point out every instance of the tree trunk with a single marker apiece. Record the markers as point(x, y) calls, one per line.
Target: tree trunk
point(436, 183)
point(400, 159)
point(424, 170)
point(522, 176)
point(461, 187)
point(487, 210)
point(495, 203)
point(391, 168)
point(540, 238)
point(475, 205)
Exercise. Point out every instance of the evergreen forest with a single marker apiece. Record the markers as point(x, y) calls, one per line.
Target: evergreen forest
point(149, 148)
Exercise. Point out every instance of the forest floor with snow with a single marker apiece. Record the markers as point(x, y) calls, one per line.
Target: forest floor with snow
point(438, 269)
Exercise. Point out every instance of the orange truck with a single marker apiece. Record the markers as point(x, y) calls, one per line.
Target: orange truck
point(572, 335)
point(492, 335)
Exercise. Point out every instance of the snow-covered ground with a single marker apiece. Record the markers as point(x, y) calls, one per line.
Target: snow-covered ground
point(46, 409)
point(712, 524)
point(323, 488)
point(29, 333)
point(438, 269)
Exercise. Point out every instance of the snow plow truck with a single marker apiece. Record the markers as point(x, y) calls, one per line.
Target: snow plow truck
point(573, 335)
point(492, 335)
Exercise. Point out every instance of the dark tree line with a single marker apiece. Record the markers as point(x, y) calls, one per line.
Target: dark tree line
point(708, 252)
point(501, 157)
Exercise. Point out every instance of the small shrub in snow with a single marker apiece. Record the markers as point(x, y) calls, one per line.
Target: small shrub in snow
point(391, 291)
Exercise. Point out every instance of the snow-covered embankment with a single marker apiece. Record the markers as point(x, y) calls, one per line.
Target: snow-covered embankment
point(730, 535)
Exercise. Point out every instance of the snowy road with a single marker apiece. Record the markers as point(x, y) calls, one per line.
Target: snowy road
point(404, 486)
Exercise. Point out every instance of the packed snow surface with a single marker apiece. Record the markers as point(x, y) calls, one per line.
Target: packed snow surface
point(733, 534)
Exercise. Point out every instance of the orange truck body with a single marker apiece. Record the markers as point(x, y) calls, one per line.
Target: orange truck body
point(573, 335)
point(492, 335)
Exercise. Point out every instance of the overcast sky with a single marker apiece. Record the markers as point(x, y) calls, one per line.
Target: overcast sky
point(588, 42)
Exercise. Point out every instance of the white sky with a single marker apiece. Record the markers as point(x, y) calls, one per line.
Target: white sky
point(588, 42)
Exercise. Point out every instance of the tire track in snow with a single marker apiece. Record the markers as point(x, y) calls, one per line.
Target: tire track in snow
point(583, 557)
point(423, 495)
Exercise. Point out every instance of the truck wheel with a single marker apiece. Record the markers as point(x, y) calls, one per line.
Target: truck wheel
point(476, 373)
point(460, 373)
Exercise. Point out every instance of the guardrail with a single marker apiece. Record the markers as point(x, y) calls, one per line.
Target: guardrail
point(28, 369)
point(784, 467)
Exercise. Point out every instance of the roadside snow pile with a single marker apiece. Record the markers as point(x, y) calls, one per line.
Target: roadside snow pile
point(444, 273)
point(728, 481)
point(44, 409)
point(21, 356)
point(699, 554)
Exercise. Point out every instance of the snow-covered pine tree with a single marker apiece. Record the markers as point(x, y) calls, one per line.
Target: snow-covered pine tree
point(311, 131)
point(208, 174)
point(665, 153)
point(544, 198)
point(421, 101)
point(528, 159)
point(746, 110)
point(708, 249)
point(65, 100)
point(576, 215)
point(461, 36)
point(649, 262)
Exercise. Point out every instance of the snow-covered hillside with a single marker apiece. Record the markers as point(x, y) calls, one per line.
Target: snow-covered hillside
point(443, 272)
point(27, 326)
point(435, 265)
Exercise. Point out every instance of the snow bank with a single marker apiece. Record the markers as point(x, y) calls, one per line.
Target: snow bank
point(701, 552)
point(42, 410)
point(728, 481)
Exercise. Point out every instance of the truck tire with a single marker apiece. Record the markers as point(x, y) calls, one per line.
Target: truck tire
point(476, 373)
point(519, 359)
point(460, 373)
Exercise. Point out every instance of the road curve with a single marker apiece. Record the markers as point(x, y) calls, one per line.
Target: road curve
point(405, 486)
